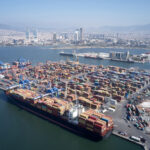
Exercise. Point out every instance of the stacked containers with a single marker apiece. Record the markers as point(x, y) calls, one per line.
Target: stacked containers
point(90, 124)
point(44, 107)
point(96, 122)
point(55, 109)
point(100, 127)
point(88, 103)
point(39, 105)
point(108, 121)
point(82, 120)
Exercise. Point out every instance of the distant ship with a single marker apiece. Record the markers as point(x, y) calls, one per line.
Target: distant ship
point(88, 56)
point(122, 60)
point(66, 54)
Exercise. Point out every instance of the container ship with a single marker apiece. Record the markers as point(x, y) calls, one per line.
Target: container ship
point(74, 117)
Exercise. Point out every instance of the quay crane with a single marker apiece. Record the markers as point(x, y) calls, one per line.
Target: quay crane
point(49, 92)
point(22, 83)
point(23, 63)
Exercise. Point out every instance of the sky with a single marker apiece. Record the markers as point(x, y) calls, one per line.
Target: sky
point(72, 13)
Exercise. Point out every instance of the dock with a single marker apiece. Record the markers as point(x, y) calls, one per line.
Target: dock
point(93, 87)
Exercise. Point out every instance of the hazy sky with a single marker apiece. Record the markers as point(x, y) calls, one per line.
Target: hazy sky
point(66, 13)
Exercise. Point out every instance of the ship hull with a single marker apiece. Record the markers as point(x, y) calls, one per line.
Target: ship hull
point(66, 54)
point(58, 120)
point(128, 61)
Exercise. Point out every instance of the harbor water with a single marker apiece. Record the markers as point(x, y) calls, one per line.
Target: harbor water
point(21, 130)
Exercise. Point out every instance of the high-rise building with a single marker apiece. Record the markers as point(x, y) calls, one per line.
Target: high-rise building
point(65, 36)
point(35, 34)
point(81, 34)
point(76, 35)
point(54, 37)
point(28, 35)
point(127, 55)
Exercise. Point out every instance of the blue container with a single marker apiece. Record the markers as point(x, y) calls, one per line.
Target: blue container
point(126, 95)
point(43, 106)
point(96, 83)
point(104, 119)
point(128, 117)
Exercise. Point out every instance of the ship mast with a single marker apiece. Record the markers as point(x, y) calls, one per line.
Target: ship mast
point(66, 87)
point(76, 97)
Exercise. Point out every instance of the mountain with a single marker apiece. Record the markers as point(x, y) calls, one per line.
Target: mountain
point(11, 27)
point(4, 26)
point(44, 29)
point(136, 28)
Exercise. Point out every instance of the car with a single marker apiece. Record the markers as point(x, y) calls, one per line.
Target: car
point(143, 140)
point(129, 126)
point(122, 133)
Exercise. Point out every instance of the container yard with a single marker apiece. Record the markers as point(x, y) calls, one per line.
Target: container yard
point(78, 96)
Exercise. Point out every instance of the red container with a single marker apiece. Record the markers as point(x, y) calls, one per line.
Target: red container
point(99, 123)
point(97, 126)
point(92, 117)
point(91, 121)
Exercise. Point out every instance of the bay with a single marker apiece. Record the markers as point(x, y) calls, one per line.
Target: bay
point(21, 130)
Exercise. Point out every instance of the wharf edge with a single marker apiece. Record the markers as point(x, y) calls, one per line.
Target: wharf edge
point(130, 140)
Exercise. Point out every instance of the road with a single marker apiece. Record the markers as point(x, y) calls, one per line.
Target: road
point(122, 124)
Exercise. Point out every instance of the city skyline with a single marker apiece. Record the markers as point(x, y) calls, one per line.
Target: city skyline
point(74, 13)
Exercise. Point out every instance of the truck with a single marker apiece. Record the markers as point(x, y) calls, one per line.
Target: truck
point(137, 139)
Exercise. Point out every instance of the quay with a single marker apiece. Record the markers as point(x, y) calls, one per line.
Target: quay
point(130, 140)
point(94, 87)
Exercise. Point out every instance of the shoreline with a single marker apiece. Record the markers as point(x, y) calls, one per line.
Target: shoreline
point(77, 47)
point(99, 47)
